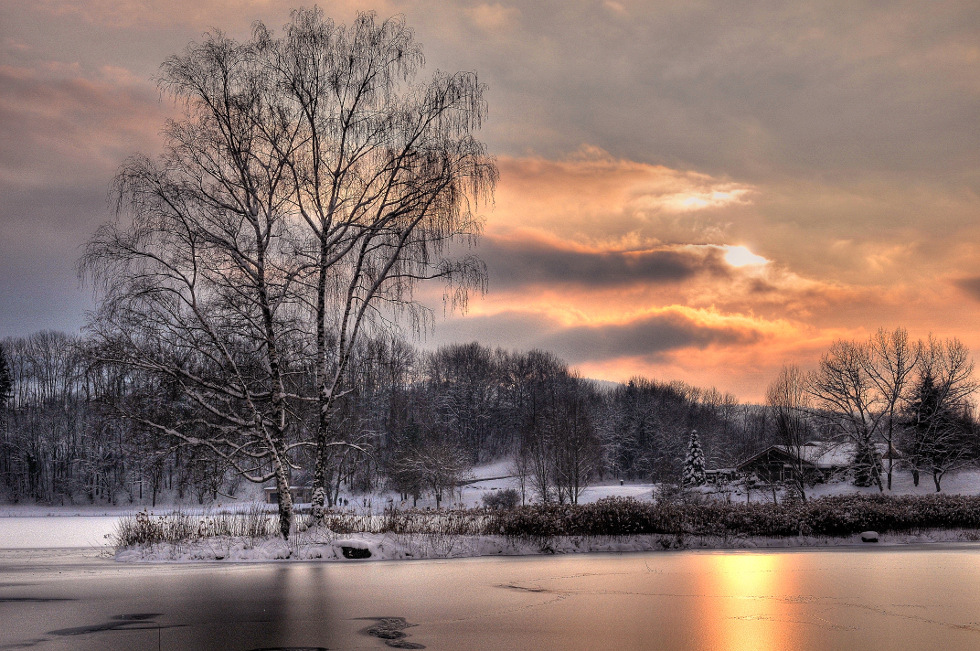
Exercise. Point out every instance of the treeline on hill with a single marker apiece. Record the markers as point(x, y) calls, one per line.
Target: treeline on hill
point(75, 429)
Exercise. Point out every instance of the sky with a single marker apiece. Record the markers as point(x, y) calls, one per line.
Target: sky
point(695, 190)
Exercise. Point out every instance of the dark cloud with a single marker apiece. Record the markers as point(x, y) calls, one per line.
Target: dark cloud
point(43, 234)
point(751, 90)
point(970, 285)
point(647, 337)
point(528, 262)
point(510, 329)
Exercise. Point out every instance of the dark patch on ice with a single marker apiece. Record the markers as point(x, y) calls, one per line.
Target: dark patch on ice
point(392, 631)
point(292, 648)
point(130, 622)
point(522, 588)
point(31, 600)
point(26, 644)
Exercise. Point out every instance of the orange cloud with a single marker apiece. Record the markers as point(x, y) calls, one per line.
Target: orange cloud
point(592, 197)
point(627, 268)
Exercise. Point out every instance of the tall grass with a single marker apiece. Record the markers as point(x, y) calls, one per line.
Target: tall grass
point(178, 526)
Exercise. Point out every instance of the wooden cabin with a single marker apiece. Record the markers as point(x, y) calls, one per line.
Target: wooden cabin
point(778, 463)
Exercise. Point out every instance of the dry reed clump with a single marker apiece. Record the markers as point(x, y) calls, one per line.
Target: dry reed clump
point(178, 526)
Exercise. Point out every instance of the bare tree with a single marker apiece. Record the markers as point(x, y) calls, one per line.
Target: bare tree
point(308, 188)
point(6, 382)
point(196, 284)
point(428, 458)
point(789, 405)
point(385, 176)
point(891, 363)
point(577, 450)
point(6, 388)
point(845, 394)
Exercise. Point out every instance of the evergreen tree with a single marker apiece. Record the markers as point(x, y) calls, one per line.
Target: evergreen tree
point(694, 462)
point(866, 465)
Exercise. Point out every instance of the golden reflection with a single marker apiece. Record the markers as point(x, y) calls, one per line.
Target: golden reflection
point(752, 594)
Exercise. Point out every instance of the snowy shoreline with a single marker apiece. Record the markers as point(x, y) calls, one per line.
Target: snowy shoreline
point(329, 547)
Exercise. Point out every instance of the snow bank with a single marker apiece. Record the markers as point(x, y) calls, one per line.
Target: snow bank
point(322, 545)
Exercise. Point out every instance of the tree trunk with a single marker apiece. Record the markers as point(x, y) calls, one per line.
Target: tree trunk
point(285, 498)
point(320, 376)
point(319, 490)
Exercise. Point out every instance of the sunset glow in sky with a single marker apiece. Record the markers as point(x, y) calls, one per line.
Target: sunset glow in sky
point(691, 190)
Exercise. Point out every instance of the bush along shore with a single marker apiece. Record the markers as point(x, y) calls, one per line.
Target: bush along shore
point(613, 524)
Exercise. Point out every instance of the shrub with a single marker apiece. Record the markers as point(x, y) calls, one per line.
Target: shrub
point(177, 526)
point(502, 500)
point(616, 516)
point(831, 516)
point(146, 529)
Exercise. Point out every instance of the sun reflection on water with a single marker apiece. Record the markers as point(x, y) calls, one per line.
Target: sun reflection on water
point(753, 612)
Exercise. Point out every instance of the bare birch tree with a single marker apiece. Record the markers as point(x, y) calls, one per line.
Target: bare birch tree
point(195, 283)
point(307, 189)
point(386, 177)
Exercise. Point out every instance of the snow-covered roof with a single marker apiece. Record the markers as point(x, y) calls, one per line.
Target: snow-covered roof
point(824, 456)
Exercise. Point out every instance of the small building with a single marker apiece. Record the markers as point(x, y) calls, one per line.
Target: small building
point(301, 494)
point(779, 463)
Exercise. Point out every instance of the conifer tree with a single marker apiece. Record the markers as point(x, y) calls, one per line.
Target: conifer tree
point(694, 463)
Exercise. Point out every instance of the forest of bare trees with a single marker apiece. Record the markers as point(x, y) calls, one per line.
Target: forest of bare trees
point(74, 427)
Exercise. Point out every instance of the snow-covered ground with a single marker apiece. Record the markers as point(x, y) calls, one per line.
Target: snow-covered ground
point(327, 546)
point(497, 477)
point(40, 526)
point(494, 477)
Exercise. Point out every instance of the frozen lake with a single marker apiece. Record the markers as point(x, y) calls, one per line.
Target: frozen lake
point(19, 532)
point(843, 598)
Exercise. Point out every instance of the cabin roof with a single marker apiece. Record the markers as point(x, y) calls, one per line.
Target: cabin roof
point(825, 457)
